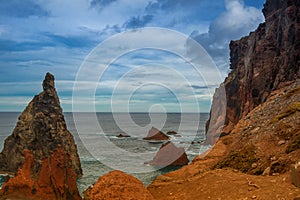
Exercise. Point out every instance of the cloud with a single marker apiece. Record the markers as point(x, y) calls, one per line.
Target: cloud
point(24, 8)
point(237, 21)
point(138, 22)
point(100, 4)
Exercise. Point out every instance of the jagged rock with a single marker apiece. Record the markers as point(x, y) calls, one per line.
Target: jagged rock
point(172, 133)
point(122, 135)
point(169, 155)
point(54, 179)
point(155, 134)
point(117, 185)
point(261, 63)
point(295, 174)
point(41, 129)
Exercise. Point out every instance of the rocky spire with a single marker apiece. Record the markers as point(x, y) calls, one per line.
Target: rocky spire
point(41, 129)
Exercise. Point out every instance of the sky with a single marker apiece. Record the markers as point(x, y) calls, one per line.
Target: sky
point(62, 37)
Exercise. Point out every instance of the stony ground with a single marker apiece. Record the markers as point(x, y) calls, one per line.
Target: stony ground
point(266, 141)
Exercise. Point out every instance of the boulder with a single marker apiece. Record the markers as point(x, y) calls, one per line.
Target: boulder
point(172, 133)
point(295, 174)
point(169, 155)
point(53, 178)
point(41, 128)
point(155, 134)
point(122, 135)
point(117, 185)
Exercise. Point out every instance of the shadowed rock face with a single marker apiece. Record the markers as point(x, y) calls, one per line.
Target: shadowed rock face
point(41, 129)
point(117, 185)
point(261, 63)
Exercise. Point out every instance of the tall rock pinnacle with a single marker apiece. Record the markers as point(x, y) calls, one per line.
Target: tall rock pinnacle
point(41, 129)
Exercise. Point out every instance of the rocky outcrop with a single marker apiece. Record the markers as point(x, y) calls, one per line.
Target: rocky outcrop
point(117, 185)
point(54, 179)
point(295, 174)
point(232, 168)
point(155, 134)
point(169, 155)
point(41, 129)
point(260, 63)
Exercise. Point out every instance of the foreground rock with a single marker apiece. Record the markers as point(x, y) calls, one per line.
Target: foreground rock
point(295, 174)
point(261, 63)
point(155, 134)
point(117, 185)
point(169, 155)
point(41, 129)
point(55, 179)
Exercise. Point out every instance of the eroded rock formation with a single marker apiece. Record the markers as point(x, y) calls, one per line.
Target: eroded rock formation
point(260, 63)
point(53, 178)
point(169, 155)
point(155, 134)
point(41, 129)
point(117, 185)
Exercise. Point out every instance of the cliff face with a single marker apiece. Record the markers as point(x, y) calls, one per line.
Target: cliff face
point(261, 63)
point(41, 129)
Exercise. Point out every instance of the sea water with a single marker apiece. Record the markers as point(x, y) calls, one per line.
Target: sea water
point(101, 151)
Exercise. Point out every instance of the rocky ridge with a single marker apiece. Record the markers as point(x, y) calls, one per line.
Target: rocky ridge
point(266, 140)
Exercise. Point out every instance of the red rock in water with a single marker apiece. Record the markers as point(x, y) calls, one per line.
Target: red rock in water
point(54, 178)
point(260, 63)
point(117, 185)
point(155, 134)
point(169, 155)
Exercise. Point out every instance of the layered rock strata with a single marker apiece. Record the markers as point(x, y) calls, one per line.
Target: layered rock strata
point(260, 63)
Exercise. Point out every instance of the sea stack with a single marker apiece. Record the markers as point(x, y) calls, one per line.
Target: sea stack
point(169, 155)
point(155, 134)
point(41, 152)
point(41, 129)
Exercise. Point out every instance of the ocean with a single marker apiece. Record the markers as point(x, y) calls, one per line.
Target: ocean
point(101, 151)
